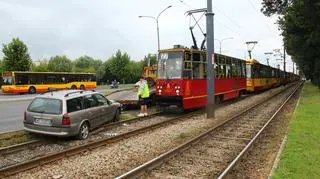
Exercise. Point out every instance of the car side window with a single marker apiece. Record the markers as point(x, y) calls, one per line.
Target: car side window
point(89, 101)
point(101, 99)
point(74, 104)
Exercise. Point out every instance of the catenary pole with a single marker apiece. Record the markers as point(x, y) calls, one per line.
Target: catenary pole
point(210, 60)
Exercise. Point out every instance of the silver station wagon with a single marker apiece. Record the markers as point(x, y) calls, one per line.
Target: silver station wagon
point(69, 113)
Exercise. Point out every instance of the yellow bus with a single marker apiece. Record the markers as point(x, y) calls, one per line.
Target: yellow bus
point(33, 82)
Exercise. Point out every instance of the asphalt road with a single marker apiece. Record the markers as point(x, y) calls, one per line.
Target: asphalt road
point(12, 108)
point(11, 115)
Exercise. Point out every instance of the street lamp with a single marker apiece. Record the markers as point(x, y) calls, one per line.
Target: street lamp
point(157, 22)
point(220, 41)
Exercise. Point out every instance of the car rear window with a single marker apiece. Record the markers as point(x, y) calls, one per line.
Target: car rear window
point(46, 105)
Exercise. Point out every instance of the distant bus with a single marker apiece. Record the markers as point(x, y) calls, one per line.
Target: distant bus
point(34, 82)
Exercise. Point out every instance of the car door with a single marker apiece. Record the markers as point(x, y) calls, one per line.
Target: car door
point(92, 108)
point(107, 111)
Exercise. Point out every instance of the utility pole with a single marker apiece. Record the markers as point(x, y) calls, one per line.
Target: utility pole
point(210, 61)
point(284, 60)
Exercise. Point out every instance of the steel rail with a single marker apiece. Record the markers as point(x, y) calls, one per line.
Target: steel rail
point(21, 146)
point(246, 148)
point(13, 169)
point(148, 166)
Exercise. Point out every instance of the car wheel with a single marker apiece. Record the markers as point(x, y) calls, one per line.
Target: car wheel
point(82, 87)
point(117, 116)
point(32, 90)
point(73, 87)
point(83, 131)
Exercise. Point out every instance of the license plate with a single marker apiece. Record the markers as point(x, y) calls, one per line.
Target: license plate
point(42, 122)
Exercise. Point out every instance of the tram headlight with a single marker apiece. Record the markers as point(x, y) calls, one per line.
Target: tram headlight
point(160, 91)
point(177, 91)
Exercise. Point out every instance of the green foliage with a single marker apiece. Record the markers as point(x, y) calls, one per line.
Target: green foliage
point(300, 31)
point(60, 64)
point(301, 155)
point(86, 64)
point(1, 66)
point(41, 67)
point(271, 7)
point(16, 56)
point(118, 64)
point(150, 57)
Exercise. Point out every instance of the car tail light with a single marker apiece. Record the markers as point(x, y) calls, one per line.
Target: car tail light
point(66, 119)
point(25, 116)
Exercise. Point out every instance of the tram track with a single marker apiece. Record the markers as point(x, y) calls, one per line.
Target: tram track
point(208, 154)
point(89, 145)
point(7, 171)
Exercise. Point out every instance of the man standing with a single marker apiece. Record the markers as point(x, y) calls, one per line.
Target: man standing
point(143, 94)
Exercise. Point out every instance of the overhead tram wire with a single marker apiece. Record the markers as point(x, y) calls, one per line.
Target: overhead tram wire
point(266, 24)
point(215, 7)
point(229, 28)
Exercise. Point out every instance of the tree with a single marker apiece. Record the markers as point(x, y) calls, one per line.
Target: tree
point(1, 67)
point(41, 67)
point(150, 57)
point(118, 65)
point(16, 56)
point(298, 22)
point(60, 64)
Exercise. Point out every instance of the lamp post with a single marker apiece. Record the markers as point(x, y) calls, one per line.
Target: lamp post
point(220, 41)
point(157, 22)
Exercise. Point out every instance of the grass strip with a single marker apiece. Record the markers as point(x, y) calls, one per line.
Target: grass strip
point(301, 155)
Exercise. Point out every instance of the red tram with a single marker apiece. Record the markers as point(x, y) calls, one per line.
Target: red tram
point(181, 79)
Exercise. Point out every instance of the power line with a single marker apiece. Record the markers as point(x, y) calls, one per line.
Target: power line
point(228, 17)
point(267, 25)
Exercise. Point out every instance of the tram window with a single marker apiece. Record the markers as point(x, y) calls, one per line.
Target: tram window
point(228, 61)
point(204, 65)
point(187, 65)
point(228, 71)
point(221, 59)
point(188, 57)
point(196, 70)
point(196, 57)
point(243, 69)
point(187, 74)
point(248, 68)
point(203, 57)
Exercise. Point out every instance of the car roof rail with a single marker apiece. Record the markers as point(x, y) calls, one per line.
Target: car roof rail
point(73, 92)
point(50, 90)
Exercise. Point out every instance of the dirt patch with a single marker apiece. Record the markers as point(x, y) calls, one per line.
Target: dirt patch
point(259, 160)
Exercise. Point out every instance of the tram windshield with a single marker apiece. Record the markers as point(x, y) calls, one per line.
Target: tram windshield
point(170, 65)
point(248, 71)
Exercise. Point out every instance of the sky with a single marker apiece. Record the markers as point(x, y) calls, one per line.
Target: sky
point(99, 28)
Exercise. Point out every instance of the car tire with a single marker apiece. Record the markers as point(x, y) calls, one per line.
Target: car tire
point(82, 87)
point(73, 87)
point(32, 90)
point(83, 131)
point(117, 116)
